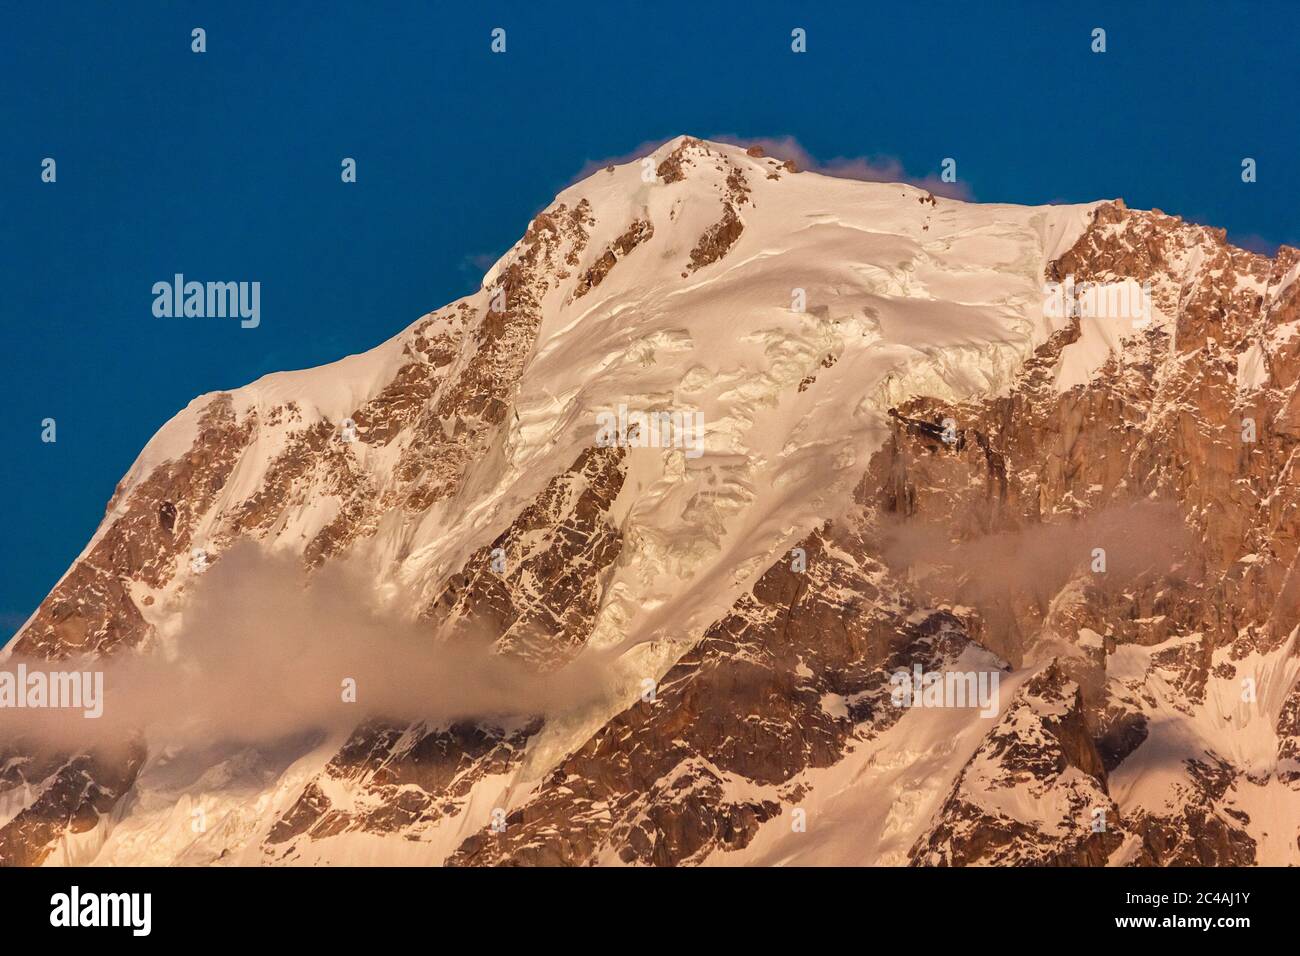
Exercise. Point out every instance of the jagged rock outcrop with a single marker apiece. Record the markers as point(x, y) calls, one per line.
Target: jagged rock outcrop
point(1034, 794)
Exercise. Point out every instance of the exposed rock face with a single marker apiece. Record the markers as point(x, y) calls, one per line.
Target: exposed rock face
point(73, 795)
point(915, 471)
point(1204, 830)
point(1163, 420)
point(537, 604)
point(722, 235)
point(637, 233)
point(536, 588)
point(91, 610)
point(399, 780)
point(697, 766)
point(1033, 794)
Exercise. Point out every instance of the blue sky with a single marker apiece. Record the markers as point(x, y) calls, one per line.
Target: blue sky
point(225, 165)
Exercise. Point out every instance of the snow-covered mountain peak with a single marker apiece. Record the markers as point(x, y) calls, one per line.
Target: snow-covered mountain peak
point(680, 430)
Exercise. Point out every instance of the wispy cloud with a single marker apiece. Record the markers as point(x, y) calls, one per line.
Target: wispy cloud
point(872, 169)
point(476, 266)
point(1252, 242)
point(266, 653)
point(592, 165)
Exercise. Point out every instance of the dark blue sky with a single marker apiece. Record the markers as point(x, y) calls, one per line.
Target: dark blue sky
point(225, 166)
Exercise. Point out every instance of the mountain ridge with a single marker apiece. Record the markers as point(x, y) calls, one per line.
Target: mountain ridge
point(474, 430)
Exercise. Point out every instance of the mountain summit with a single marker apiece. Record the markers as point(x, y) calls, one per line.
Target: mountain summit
point(717, 452)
